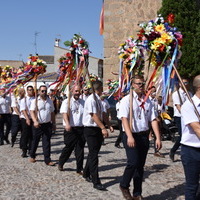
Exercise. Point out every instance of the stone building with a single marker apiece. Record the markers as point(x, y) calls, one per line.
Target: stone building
point(121, 19)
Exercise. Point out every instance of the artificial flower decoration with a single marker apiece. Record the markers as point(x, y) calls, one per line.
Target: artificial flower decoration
point(79, 44)
point(35, 65)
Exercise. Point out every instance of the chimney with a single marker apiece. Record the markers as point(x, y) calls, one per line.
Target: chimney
point(57, 42)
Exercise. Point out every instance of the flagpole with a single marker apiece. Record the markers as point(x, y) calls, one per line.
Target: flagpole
point(187, 93)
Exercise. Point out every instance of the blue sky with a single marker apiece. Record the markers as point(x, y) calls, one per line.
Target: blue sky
point(20, 20)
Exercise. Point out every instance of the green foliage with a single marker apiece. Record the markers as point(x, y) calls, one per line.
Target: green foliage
point(187, 21)
point(68, 43)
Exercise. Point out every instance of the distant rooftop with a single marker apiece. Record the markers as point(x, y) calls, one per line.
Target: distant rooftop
point(47, 59)
point(12, 63)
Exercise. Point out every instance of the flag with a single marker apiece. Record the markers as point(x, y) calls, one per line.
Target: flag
point(101, 22)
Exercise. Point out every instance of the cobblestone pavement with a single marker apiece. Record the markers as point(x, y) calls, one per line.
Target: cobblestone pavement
point(20, 179)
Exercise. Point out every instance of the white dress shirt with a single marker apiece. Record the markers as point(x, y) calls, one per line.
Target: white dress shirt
point(92, 105)
point(76, 111)
point(5, 104)
point(188, 116)
point(117, 109)
point(177, 101)
point(45, 108)
point(141, 117)
point(25, 104)
point(15, 103)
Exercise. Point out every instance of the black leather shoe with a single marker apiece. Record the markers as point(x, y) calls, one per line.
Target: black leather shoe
point(118, 146)
point(88, 179)
point(24, 154)
point(12, 144)
point(60, 168)
point(99, 187)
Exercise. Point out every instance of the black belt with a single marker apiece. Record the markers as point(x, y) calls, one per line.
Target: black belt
point(77, 127)
point(142, 132)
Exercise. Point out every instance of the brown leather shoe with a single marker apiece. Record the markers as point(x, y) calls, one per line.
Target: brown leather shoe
point(32, 160)
point(51, 164)
point(158, 154)
point(137, 198)
point(79, 173)
point(126, 193)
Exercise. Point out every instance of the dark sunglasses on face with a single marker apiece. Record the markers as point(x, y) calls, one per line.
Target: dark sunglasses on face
point(185, 83)
point(44, 91)
point(140, 84)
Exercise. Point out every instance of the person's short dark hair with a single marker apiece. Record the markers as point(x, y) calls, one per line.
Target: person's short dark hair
point(97, 85)
point(29, 87)
point(141, 77)
point(42, 86)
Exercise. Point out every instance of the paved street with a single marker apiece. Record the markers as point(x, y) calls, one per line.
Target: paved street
point(22, 180)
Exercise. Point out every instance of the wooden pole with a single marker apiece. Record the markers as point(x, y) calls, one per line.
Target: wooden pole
point(131, 103)
point(184, 88)
point(36, 99)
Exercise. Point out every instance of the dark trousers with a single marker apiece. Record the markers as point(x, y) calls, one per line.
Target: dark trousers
point(16, 126)
point(73, 139)
point(190, 157)
point(94, 140)
point(5, 119)
point(119, 138)
point(177, 144)
point(136, 158)
point(26, 136)
point(43, 131)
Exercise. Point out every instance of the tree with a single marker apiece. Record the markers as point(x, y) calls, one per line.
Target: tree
point(187, 21)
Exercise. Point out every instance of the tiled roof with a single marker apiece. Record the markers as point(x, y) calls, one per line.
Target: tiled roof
point(47, 59)
point(48, 76)
point(12, 63)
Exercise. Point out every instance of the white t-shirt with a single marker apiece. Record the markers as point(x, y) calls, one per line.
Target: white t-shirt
point(5, 104)
point(141, 117)
point(76, 111)
point(45, 108)
point(92, 105)
point(25, 104)
point(176, 100)
point(188, 116)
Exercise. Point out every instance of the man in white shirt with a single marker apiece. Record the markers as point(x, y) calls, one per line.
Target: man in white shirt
point(152, 98)
point(73, 130)
point(5, 116)
point(190, 143)
point(94, 131)
point(16, 122)
point(178, 97)
point(86, 93)
point(43, 116)
point(119, 138)
point(26, 121)
point(136, 139)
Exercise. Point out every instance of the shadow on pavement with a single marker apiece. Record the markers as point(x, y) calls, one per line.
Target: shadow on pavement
point(170, 194)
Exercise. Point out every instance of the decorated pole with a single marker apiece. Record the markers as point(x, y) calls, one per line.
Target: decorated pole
point(36, 94)
point(189, 97)
point(131, 104)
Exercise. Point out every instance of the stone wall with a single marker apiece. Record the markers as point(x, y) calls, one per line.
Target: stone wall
point(121, 19)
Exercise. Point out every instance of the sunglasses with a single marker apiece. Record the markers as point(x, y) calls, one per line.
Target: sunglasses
point(185, 83)
point(44, 91)
point(140, 84)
